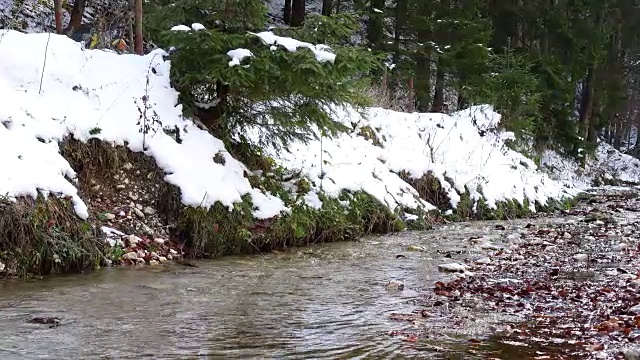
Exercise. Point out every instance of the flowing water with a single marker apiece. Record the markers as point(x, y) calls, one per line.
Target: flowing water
point(325, 301)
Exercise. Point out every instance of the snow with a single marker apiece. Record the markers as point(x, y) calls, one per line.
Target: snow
point(181, 28)
point(237, 55)
point(96, 94)
point(104, 108)
point(322, 52)
point(448, 147)
point(197, 26)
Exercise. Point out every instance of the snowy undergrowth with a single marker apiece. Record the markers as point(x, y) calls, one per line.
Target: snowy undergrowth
point(459, 150)
point(608, 165)
point(97, 94)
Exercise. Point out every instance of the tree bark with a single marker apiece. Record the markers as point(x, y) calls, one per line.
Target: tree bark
point(76, 16)
point(297, 12)
point(438, 96)
point(286, 16)
point(374, 30)
point(586, 104)
point(326, 7)
point(57, 9)
point(139, 48)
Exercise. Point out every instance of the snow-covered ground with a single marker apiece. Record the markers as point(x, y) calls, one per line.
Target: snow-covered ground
point(97, 94)
point(608, 164)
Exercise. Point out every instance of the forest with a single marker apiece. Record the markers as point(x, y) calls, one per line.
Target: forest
point(563, 73)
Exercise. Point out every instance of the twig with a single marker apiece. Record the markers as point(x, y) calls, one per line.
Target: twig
point(46, 49)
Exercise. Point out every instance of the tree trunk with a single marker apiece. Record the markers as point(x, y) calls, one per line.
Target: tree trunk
point(438, 96)
point(374, 30)
point(297, 12)
point(57, 9)
point(287, 12)
point(326, 7)
point(139, 48)
point(423, 82)
point(76, 16)
point(586, 104)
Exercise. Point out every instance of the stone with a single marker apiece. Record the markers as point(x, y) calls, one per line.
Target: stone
point(127, 166)
point(567, 235)
point(169, 257)
point(2, 266)
point(621, 246)
point(484, 260)
point(130, 256)
point(146, 229)
point(581, 257)
point(154, 262)
point(173, 252)
point(138, 213)
point(149, 210)
point(139, 207)
point(159, 241)
point(109, 216)
point(133, 196)
point(120, 186)
point(635, 309)
point(452, 267)
point(394, 285)
point(631, 354)
point(133, 240)
point(162, 259)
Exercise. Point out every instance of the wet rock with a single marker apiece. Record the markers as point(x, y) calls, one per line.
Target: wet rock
point(581, 257)
point(394, 285)
point(631, 354)
point(453, 267)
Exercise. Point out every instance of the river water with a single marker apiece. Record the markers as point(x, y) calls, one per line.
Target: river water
point(325, 301)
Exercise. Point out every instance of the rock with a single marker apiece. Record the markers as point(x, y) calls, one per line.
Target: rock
point(138, 213)
point(2, 266)
point(130, 256)
point(139, 207)
point(141, 254)
point(169, 257)
point(514, 236)
point(133, 196)
point(581, 257)
point(635, 309)
point(452, 267)
point(490, 246)
point(154, 262)
point(120, 187)
point(146, 229)
point(127, 166)
point(149, 210)
point(631, 354)
point(416, 248)
point(109, 216)
point(122, 214)
point(567, 235)
point(394, 285)
point(173, 252)
point(162, 259)
point(621, 246)
point(159, 241)
point(133, 240)
point(484, 261)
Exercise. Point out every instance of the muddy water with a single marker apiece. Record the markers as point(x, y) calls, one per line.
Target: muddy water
point(326, 301)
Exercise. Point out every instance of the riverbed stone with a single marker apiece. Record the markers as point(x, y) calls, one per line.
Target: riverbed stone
point(138, 212)
point(130, 256)
point(149, 210)
point(2, 266)
point(394, 285)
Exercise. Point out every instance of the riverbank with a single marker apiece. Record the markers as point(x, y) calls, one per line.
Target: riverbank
point(565, 290)
point(105, 172)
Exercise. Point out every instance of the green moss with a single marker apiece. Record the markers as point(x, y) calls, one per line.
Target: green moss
point(44, 236)
point(368, 133)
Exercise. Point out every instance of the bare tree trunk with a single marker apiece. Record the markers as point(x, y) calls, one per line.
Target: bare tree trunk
point(438, 96)
point(132, 17)
point(326, 7)
point(76, 16)
point(586, 104)
point(287, 12)
point(297, 12)
point(139, 48)
point(57, 9)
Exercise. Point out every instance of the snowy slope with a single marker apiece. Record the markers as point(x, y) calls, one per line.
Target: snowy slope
point(447, 146)
point(87, 93)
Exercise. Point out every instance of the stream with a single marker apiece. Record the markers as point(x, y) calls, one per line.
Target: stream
point(323, 301)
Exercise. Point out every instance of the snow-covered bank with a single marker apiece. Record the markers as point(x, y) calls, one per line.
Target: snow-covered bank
point(608, 165)
point(98, 94)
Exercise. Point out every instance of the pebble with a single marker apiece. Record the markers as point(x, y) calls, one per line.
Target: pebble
point(109, 216)
point(581, 257)
point(133, 240)
point(130, 256)
point(120, 186)
point(133, 196)
point(154, 262)
point(127, 166)
point(2, 266)
point(394, 285)
point(149, 210)
point(631, 354)
point(159, 241)
point(122, 214)
point(484, 260)
point(138, 213)
point(162, 259)
point(173, 252)
point(621, 246)
point(635, 309)
point(567, 235)
point(452, 267)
